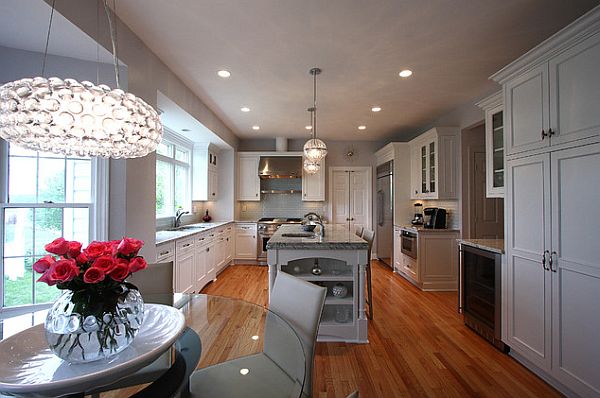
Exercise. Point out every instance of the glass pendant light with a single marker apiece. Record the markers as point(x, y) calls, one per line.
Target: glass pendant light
point(78, 118)
point(310, 166)
point(314, 148)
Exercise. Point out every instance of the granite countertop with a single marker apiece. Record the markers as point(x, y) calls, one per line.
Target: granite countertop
point(168, 236)
point(420, 228)
point(336, 238)
point(493, 245)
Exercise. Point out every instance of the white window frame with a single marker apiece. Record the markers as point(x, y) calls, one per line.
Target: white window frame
point(98, 213)
point(182, 143)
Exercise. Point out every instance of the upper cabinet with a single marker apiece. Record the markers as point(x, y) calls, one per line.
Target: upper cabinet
point(247, 177)
point(313, 185)
point(551, 94)
point(205, 172)
point(494, 144)
point(434, 164)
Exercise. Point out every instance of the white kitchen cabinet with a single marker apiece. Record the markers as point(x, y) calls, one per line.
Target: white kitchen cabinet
point(434, 164)
point(313, 185)
point(211, 260)
point(165, 252)
point(205, 175)
point(184, 266)
point(245, 241)
point(397, 249)
point(247, 178)
point(494, 144)
point(201, 264)
point(230, 244)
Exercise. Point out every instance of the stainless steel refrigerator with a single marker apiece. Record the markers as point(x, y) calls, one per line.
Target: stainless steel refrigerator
point(384, 233)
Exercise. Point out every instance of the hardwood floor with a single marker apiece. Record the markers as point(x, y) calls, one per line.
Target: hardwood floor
point(418, 346)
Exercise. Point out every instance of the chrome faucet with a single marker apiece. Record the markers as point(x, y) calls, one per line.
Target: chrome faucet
point(309, 216)
point(178, 216)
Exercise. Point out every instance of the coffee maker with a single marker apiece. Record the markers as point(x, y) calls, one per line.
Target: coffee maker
point(435, 218)
point(418, 218)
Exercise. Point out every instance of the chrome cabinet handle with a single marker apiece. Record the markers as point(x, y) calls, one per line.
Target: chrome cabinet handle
point(544, 260)
point(551, 133)
point(553, 269)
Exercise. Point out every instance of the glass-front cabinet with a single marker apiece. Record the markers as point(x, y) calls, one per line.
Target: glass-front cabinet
point(494, 145)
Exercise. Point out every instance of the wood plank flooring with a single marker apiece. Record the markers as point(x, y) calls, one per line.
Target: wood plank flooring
point(418, 346)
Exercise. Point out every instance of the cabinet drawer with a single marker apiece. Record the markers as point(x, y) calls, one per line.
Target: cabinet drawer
point(245, 228)
point(165, 252)
point(184, 246)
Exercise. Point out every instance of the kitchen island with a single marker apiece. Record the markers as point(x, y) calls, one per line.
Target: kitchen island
point(336, 261)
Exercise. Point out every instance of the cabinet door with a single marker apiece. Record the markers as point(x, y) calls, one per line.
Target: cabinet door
point(527, 107)
point(313, 185)
point(528, 220)
point(229, 248)
point(248, 181)
point(213, 185)
point(200, 269)
point(245, 246)
point(397, 250)
point(415, 173)
point(432, 169)
point(575, 92)
point(576, 276)
point(494, 152)
point(184, 273)
point(211, 271)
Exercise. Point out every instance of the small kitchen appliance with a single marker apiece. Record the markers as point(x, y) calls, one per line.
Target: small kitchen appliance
point(418, 218)
point(435, 218)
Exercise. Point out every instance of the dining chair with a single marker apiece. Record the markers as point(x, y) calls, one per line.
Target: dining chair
point(358, 231)
point(353, 395)
point(369, 235)
point(275, 362)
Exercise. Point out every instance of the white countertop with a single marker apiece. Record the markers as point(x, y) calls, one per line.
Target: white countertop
point(167, 236)
point(422, 229)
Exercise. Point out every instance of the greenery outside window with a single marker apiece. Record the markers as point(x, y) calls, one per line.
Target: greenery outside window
point(173, 175)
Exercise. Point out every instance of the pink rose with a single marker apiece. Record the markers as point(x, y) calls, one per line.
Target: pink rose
point(129, 246)
point(95, 249)
point(74, 248)
point(93, 275)
point(105, 263)
point(63, 270)
point(120, 271)
point(42, 265)
point(57, 246)
point(137, 264)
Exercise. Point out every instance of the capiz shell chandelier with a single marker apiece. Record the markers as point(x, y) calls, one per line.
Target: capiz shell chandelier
point(73, 118)
point(314, 148)
point(78, 118)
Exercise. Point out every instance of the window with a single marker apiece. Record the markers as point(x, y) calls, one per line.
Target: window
point(43, 196)
point(173, 175)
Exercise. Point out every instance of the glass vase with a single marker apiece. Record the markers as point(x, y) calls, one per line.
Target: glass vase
point(89, 325)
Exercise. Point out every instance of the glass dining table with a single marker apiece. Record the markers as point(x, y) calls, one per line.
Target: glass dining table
point(244, 349)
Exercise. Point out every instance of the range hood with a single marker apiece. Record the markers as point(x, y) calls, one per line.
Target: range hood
point(280, 167)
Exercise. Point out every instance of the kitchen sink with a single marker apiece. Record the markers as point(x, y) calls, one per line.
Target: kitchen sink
point(298, 235)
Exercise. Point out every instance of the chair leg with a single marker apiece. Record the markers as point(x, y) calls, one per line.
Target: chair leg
point(369, 291)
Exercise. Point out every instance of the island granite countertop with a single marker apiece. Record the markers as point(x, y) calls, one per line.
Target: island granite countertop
point(493, 245)
point(336, 238)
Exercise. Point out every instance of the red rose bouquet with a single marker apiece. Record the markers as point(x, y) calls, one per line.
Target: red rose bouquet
point(107, 308)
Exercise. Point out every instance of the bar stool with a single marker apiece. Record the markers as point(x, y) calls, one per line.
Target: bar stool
point(358, 231)
point(369, 235)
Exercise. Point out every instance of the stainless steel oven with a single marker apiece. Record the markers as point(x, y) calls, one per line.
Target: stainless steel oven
point(266, 229)
point(408, 243)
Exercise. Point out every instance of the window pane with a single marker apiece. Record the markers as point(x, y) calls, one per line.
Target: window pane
point(18, 281)
point(76, 224)
point(164, 184)
point(182, 155)
point(18, 232)
point(181, 187)
point(22, 177)
point(165, 148)
point(79, 181)
point(48, 226)
point(51, 180)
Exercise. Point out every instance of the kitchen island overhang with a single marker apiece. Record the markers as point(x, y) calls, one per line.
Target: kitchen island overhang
point(341, 256)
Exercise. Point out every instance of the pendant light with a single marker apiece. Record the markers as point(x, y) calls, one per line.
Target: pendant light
point(78, 118)
point(315, 149)
point(310, 166)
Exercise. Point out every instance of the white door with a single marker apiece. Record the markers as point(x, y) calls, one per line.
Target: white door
point(528, 236)
point(248, 181)
point(340, 183)
point(527, 110)
point(576, 269)
point(575, 92)
point(359, 199)
point(487, 214)
point(200, 269)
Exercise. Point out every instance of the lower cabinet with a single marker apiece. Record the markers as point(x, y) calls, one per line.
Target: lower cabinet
point(245, 241)
point(184, 266)
point(397, 249)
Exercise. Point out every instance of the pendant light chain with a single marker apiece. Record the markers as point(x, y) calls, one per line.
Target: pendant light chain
point(113, 39)
point(314, 149)
point(47, 40)
point(314, 104)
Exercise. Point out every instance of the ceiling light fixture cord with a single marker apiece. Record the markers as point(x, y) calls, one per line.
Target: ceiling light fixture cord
point(47, 39)
point(314, 103)
point(113, 40)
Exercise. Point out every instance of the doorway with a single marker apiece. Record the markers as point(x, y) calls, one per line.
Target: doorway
point(350, 196)
point(483, 217)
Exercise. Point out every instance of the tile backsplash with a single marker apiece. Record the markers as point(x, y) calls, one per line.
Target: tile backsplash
point(279, 205)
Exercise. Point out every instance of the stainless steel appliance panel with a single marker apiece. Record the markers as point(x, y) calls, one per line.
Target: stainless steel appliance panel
point(408, 244)
point(384, 231)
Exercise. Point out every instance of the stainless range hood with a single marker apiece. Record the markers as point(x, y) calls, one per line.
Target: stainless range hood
point(280, 167)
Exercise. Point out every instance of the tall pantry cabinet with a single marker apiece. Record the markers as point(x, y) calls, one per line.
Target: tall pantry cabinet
point(551, 284)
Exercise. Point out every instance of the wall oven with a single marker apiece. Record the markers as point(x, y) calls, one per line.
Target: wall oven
point(408, 243)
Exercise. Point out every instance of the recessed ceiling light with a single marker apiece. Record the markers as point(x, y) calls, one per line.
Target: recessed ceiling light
point(245, 109)
point(224, 73)
point(244, 371)
point(362, 127)
point(308, 127)
point(255, 127)
point(405, 73)
point(376, 109)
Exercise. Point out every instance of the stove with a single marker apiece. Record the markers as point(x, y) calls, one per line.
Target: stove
point(266, 228)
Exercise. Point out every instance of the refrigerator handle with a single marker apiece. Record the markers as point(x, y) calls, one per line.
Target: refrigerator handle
point(380, 207)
